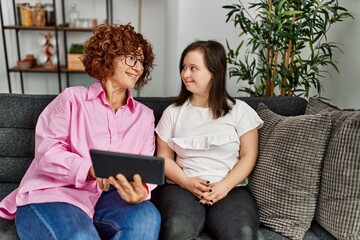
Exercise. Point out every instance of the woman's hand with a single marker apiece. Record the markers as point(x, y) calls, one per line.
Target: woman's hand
point(219, 190)
point(104, 183)
point(197, 186)
point(132, 192)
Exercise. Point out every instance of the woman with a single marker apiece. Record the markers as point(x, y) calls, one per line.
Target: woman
point(60, 197)
point(210, 144)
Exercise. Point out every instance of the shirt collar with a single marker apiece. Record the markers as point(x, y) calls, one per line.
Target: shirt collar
point(130, 101)
point(95, 90)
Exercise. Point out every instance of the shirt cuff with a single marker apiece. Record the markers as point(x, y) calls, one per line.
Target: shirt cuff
point(146, 187)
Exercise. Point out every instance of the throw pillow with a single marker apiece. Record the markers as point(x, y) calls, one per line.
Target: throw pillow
point(286, 179)
point(338, 209)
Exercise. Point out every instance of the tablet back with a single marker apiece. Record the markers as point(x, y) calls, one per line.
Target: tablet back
point(106, 164)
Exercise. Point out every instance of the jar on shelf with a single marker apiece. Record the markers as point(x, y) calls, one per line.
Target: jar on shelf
point(49, 14)
point(27, 15)
point(39, 15)
point(32, 59)
point(73, 14)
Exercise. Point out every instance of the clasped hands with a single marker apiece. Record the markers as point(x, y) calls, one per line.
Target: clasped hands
point(132, 192)
point(207, 193)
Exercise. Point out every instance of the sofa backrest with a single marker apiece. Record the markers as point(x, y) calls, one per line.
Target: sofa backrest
point(285, 106)
point(19, 114)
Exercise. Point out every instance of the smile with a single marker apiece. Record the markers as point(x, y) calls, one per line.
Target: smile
point(132, 75)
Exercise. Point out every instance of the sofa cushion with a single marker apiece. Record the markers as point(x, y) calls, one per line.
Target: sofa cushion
point(286, 179)
point(338, 209)
point(8, 230)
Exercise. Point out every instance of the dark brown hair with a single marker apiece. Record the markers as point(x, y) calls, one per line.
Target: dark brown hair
point(215, 61)
point(111, 41)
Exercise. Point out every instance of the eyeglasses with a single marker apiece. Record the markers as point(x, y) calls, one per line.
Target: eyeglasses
point(131, 61)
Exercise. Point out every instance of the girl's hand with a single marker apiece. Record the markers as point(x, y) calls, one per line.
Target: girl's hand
point(197, 186)
point(219, 190)
point(132, 192)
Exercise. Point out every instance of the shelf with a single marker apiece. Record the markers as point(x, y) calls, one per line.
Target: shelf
point(47, 28)
point(44, 70)
point(61, 30)
point(74, 29)
point(64, 69)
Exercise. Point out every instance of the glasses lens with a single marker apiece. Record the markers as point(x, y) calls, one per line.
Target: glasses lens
point(130, 60)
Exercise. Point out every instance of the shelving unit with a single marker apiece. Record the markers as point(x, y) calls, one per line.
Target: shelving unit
point(61, 67)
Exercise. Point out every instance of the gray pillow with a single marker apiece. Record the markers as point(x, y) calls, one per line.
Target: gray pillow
point(285, 182)
point(338, 209)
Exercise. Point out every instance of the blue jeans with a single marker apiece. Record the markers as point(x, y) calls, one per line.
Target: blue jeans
point(114, 219)
point(183, 217)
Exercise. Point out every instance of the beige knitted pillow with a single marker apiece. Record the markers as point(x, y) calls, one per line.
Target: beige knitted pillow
point(286, 179)
point(338, 209)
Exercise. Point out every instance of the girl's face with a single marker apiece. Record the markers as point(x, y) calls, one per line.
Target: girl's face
point(194, 73)
point(127, 70)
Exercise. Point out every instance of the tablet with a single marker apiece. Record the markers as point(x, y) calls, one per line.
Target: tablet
point(106, 164)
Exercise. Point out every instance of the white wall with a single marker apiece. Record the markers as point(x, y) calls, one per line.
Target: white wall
point(172, 24)
point(343, 88)
point(195, 20)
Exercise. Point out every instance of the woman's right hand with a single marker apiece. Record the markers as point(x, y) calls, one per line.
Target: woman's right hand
point(104, 183)
point(197, 186)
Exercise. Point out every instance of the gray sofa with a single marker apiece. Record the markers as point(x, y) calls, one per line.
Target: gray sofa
point(18, 116)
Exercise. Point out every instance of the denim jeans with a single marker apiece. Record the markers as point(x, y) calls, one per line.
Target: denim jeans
point(183, 217)
point(114, 219)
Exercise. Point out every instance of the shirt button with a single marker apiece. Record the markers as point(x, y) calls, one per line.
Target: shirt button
point(113, 137)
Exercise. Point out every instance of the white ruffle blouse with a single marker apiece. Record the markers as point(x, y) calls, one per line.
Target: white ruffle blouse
point(206, 147)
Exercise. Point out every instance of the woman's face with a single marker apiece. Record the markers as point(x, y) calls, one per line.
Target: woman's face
point(194, 73)
point(127, 70)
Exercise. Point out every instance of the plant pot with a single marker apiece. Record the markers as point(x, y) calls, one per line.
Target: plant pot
point(74, 62)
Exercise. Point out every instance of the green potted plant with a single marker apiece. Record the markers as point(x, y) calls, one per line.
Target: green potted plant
point(286, 45)
point(73, 57)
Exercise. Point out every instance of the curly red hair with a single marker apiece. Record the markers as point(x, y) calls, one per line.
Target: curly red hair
point(111, 41)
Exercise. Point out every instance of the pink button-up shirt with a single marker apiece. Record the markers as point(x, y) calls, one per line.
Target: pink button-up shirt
point(77, 120)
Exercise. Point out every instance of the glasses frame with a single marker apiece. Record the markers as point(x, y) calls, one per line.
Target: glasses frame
point(128, 58)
